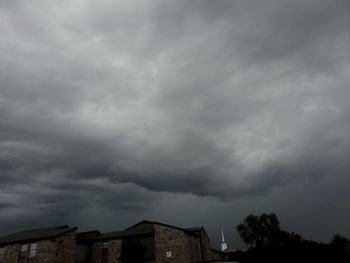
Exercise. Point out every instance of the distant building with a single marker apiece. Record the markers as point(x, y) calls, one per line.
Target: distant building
point(223, 243)
point(148, 242)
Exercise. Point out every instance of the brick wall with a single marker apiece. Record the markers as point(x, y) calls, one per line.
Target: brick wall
point(114, 251)
point(66, 248)
point(11, 253)
point(46, 251)
point(56, 250)
point(168, 239)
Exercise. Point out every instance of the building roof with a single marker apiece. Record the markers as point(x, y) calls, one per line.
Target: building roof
point(88, 235)
point(191, 230)
point(36, 234)
point(143, 228)
point(91, 232)
point(146, 223)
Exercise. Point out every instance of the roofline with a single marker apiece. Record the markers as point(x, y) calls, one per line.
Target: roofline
point(205, 232)
point(167, 225)
point(87, 232)
point(157, 223)
point(99, 238)
point(41, 238)
point(143, 221)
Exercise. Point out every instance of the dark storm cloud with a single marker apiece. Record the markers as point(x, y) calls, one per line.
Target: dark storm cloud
point(114, 107)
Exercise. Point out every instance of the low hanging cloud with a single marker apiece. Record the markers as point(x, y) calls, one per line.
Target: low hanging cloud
point(117, 103)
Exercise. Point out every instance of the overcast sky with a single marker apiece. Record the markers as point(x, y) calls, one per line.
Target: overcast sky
point(193, 112)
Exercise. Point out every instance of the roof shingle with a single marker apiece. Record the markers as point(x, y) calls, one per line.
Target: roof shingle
point(36, 234)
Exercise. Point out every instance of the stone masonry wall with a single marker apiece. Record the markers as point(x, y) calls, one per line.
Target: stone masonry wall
point(46, 251)
point(168, 239)
point(56, 250)
point(11, 253)
point(114, 251)
point(66, 248)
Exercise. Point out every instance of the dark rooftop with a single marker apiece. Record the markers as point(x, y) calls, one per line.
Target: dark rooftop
point(36, 234)
point(142, 228)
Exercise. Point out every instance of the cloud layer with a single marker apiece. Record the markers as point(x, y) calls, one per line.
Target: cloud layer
point(113, 106)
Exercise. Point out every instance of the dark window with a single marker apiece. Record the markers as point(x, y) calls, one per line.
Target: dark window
point(104, 252)
point(23, 251)
point(32, 250)
point(27, 253)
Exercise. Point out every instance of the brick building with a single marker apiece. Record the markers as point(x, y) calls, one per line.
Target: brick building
point(51, 244)
point(148, 242)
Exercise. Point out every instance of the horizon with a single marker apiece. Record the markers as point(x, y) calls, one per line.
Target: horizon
point(214, 244)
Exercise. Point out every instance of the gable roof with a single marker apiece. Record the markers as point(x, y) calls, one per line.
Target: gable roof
point(36, 234)
point(145, 223)
point(191, 230)
point(142, 228)
point(88, 235)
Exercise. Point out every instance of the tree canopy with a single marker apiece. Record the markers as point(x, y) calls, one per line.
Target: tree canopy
point(259, 230)
point(269, 243)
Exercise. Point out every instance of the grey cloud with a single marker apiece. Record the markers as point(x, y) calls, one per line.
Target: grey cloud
point(112, 108)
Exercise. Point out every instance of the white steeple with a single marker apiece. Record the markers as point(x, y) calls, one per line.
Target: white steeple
point(223, 243)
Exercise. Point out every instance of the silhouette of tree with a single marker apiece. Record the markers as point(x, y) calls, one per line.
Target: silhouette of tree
point(338, 240)
point(259, 230)
point(268, 243)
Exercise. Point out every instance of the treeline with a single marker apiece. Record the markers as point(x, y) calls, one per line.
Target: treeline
point(269, 243)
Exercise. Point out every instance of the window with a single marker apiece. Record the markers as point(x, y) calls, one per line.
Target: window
point(32, 250)
point(104, 252)
point(27, 253)
point(2, 254)
point(23, 251)
point(105, 245)
point(168, 254)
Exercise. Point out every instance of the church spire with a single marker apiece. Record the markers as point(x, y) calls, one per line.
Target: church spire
point(223, 243)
